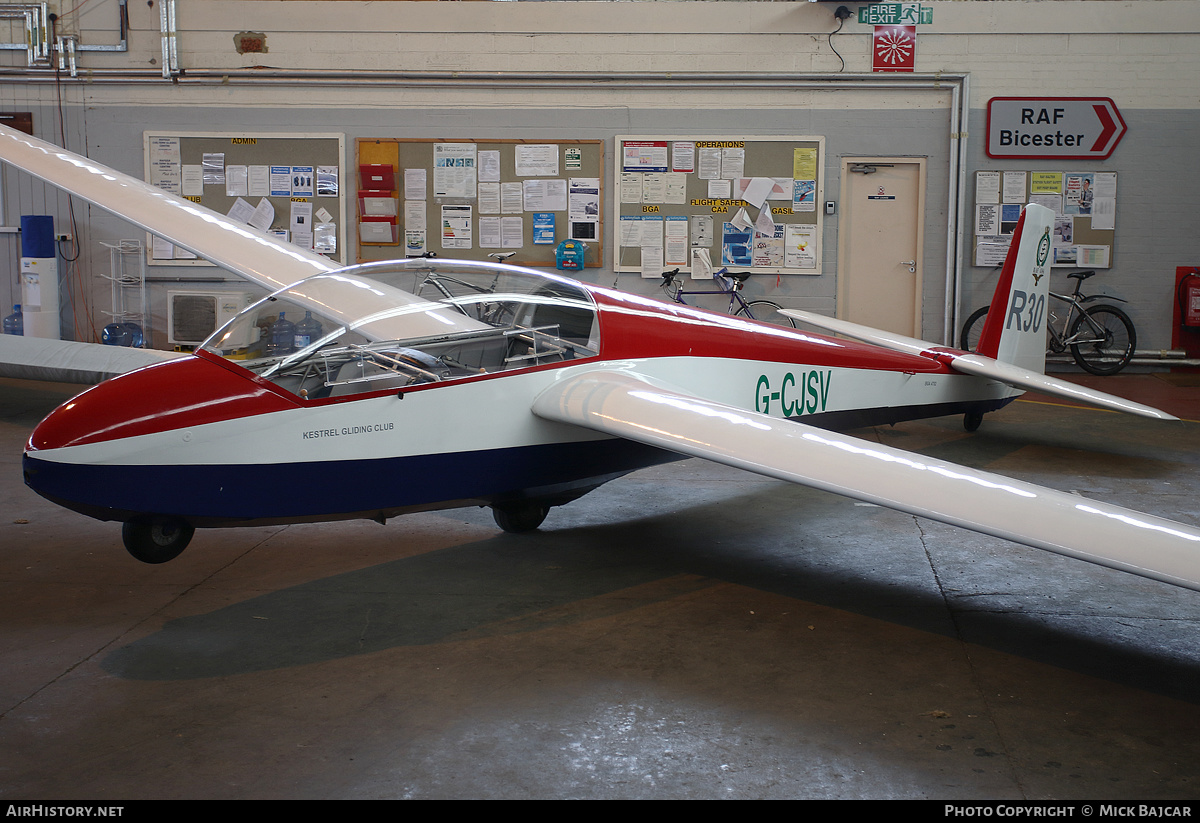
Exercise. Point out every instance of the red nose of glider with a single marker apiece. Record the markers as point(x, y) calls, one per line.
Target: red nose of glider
point(190, 391)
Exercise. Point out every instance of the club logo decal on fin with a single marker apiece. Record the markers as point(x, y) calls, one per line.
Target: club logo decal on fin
point(1043, 252)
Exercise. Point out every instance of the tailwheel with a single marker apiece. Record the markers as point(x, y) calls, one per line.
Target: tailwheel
point(517, 518)
point(157, 541)
point(972, 420)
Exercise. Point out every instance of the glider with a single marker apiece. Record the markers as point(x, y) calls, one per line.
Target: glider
point(429, 384)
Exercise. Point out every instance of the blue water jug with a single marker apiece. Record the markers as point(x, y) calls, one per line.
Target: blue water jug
point(135, 335)
point(15, 322)
point(308, 330)
point(283, 337)
point(116, 334)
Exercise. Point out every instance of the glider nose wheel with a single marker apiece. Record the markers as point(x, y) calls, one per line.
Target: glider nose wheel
point(517, 518)
point(157, 541)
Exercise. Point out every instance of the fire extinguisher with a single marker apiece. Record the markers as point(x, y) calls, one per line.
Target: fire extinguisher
point(1187, 293)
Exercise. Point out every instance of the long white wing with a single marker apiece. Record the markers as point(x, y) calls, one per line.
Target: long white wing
point(258, 256)
point(627, 405)
point(33, 358)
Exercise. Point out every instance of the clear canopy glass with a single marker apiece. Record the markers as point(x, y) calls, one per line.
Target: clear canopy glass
point(401, 323)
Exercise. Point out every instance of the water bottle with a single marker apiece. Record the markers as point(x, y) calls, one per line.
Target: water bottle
point(115, 334)
point(283, 337)
point(308, 330)
point(136, 339)
point(15, 322)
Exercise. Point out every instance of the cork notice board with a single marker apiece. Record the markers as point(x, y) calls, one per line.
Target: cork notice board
point(742, 202)
point(471, 198)
point(1084, 206)
point(286, 184)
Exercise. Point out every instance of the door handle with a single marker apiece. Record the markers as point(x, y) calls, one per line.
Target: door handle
point(912, 265)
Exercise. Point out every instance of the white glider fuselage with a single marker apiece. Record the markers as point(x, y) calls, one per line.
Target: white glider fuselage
point(209, 442)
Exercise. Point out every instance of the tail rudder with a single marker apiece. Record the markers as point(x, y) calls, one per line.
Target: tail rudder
point(1015, 329)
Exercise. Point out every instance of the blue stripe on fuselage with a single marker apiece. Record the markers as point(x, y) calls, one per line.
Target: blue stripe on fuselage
point(225, 495)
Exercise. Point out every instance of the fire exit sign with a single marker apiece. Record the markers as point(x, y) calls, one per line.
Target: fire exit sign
point(895, 14)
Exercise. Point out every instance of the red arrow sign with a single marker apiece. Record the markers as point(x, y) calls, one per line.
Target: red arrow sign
point(1055, 128)
point(1109, 128)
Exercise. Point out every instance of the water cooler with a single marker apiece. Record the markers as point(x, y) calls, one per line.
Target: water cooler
point(39, 277)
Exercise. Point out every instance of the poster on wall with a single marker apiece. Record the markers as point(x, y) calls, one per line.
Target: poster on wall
point(644, 155)
point(543, 228)
point(800, 246)
point(536, 160)
point(736, 245)
point(456, 226)
point(1078, 194)
point(768, 247)
point(583, 207)
point(454, 170)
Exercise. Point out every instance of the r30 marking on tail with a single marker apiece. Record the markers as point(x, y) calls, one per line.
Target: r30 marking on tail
point(808, 394)
point(1032, 306)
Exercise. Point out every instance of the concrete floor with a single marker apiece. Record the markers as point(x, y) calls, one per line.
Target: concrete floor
point(686, 632)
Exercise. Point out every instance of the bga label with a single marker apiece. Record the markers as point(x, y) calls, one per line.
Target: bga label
point(794, 395)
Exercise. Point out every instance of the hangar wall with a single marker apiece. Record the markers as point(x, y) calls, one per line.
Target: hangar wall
point(385, 69)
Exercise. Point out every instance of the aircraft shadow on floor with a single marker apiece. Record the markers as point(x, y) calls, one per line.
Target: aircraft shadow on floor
point(508, 585)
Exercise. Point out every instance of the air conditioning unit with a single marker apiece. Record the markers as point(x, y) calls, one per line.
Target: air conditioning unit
point(193, 315)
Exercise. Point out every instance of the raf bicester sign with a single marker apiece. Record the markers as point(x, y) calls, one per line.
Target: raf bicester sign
point(1056, 128)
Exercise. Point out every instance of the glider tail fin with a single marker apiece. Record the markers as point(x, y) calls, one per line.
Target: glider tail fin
point(1015, 329)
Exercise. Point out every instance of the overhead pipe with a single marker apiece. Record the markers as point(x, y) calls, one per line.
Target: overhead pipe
point(648, 80)
point(36, 17)
point(170, 54)
point(37, 40)
point(66, 46)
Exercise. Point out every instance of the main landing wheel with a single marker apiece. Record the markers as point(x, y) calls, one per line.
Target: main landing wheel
point(157, 541)
point(972, 421)
point(517, 518)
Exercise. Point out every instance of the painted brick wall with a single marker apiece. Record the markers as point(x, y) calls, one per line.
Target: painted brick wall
point(1145, 54)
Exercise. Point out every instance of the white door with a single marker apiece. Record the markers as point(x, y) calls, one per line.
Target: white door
point(880, 239)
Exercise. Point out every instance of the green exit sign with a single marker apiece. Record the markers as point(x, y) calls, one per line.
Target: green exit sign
point(895, 14)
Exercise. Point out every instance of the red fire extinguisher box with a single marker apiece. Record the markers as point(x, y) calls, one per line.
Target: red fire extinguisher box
point(1186, 312)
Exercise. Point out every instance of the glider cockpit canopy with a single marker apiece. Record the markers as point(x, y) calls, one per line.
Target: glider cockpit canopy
point(401, 323)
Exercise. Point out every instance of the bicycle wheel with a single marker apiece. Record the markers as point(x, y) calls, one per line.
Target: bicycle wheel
point(766, 311)
point(972, 329)
point(1107, 347)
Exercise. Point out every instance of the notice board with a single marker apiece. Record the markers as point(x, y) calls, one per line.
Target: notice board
point(471, 198)
point(286, 184)
point(703, 203)
point(1084, 206)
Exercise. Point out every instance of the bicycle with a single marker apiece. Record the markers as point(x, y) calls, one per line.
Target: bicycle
point(495, 314)
point(1101, 338)
point(730, 283)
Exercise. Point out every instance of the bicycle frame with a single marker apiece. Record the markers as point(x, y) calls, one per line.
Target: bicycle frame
point(1060, 340)
point(733, 289)
point(729, 283)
